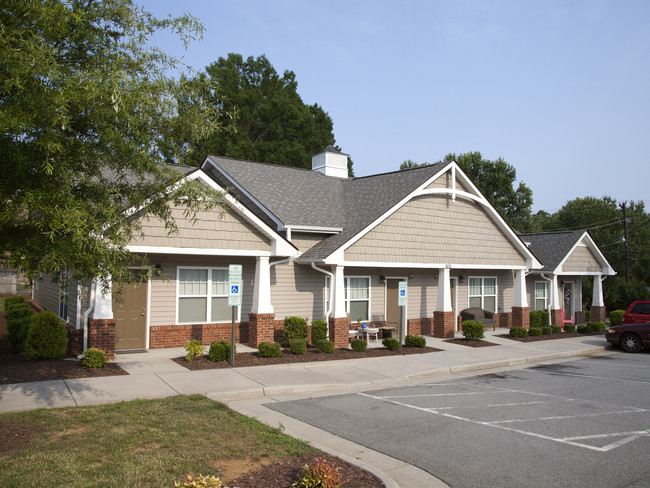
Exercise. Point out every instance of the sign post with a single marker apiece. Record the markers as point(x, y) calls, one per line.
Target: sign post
point(401, 301)
point(234, 300)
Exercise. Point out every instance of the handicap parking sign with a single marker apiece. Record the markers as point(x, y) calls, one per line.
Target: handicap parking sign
point(402, 294)
point(234, 295)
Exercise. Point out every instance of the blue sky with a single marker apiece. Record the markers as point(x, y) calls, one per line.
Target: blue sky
point(559, 89)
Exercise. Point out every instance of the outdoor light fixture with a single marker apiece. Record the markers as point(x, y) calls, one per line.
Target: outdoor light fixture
point(382, 278)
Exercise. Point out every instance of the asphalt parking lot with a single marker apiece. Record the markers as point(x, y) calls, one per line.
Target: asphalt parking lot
point(583, 423)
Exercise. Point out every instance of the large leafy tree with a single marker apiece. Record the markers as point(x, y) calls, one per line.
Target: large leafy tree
point(86, 107)
point(265, 118)
point(496, 180)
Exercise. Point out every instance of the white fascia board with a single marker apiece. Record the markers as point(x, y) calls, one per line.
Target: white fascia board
point(586, 239)
point(382, 264)
point(196, 251)
point(279, 245)
point(531, 261)
point(234, 182)
point(313, 229)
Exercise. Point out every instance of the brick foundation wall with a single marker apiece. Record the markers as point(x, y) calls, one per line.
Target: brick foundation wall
point(521, 317)
point(503, 319)
point(597, 314)
point(101, 335)
point(161, 336)
point(421, 326)
point(443, 325)
point(261, 328)
point(556, 317)
point(339, 331)
point(580, 317)
point(75, 341)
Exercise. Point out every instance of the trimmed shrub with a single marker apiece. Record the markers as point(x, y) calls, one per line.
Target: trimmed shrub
point(326, 346)
point(616, 317)
point(535, 331)
point(415, 341)
point(12, 301)
point(320, 474)
point(47, 337)
point(19, 311)
point(94, 358)
point(17, 330)
point(298, 346)
point(518, 332)
point(546, 330)
point(597, 326)
point(538, 318)
point(391, 343)
point(583, 329)
point(194, 349)
point(556, 329)
point(473, 329)
point(318, 331)
point(569, 328)
point(295, 328)
point(220, 351)
point(359, 345)
point(201, 481)
point(269, 350)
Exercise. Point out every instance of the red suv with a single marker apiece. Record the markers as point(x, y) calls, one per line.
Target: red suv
point(637, 313)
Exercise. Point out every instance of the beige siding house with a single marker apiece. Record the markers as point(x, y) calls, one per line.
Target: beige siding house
point(320, 245)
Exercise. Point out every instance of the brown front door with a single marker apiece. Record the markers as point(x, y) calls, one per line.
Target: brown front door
point(130, 314)
point(392, 306)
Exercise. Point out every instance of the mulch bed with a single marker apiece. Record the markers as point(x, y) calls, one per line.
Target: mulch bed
point(471, 342)
point(285, 473)
point(563, 335)
point(246, 359)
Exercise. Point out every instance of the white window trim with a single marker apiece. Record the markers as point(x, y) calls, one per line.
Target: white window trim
point(208, 296)
point(483, 295)
point(347, 296)
point(64, 296)
point(535, 298)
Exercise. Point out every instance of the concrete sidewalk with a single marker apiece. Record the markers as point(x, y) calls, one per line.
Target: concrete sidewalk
point(154, 375)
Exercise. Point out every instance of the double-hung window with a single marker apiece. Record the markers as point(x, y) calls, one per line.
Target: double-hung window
point(203, 295)
point(357, 297)
point(541, 295)
point(483, 293)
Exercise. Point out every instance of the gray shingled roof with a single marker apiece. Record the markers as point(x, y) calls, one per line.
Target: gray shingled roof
point(300, 197)
point(550, 248)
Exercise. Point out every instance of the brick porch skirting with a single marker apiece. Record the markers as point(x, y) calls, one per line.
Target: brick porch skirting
point(161, 336)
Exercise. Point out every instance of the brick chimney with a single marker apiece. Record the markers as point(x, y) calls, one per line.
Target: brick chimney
point(330, 162)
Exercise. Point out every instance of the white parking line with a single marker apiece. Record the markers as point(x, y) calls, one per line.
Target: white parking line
point(591, 377)
point(564, 417)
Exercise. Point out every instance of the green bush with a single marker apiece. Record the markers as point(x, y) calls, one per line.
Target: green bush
point(616, 317)
point(320, 474)
point(518, 332)
point(19, 311)
point(556, 329)
point(94, 358)
point(587, 315)
point(298, 346)
point(535, 331)
point(220, 351)
point(47, 337)
point(473, 329)
point(295, 328)
point(391, 343)
point(194, 349)
point(359, 345)
point(325, 346)
point(569, 328)
point(269, 350)
point(546, 330)
point(597, 326)
point(12, 301)
point(538, 318)
point(17, 330)
point(415, 341)
point(318, 331)
point(201, 481)
point(583, 329)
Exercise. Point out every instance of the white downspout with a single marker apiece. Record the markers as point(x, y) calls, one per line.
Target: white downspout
point(329, 311)
point(77, 324)
point(93, 291)
point(548, 307)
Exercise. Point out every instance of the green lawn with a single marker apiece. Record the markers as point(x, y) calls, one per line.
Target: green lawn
point(143, 443)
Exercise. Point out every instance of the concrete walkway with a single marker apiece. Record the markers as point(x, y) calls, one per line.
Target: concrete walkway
point(154, 375)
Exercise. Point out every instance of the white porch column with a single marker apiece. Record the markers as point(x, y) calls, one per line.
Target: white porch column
point(262, 287)
point(444, 291)
point(338, 307)
point(597, 299)
point(103, 309)
point(555, 297)
point(521, 297)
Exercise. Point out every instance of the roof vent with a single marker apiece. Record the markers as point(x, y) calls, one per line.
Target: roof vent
point(330, 162)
